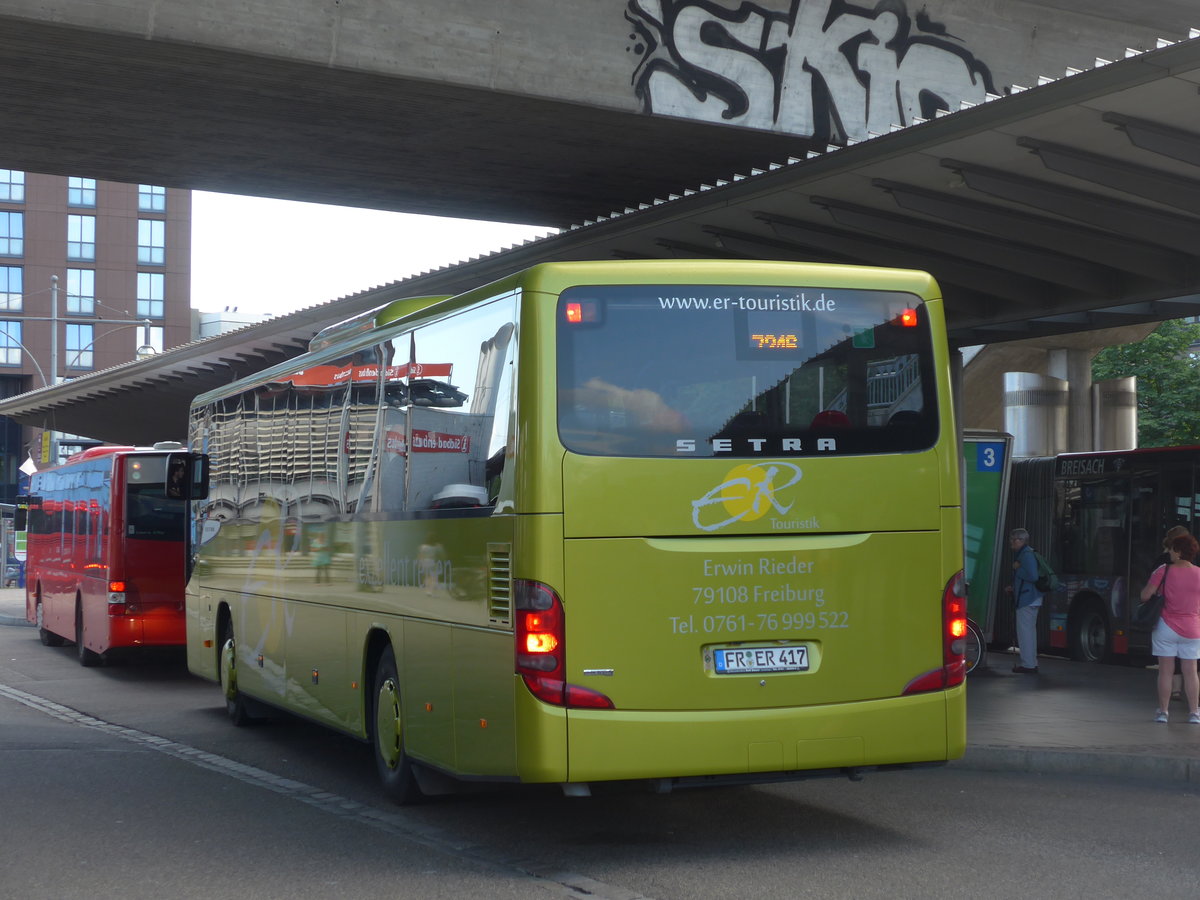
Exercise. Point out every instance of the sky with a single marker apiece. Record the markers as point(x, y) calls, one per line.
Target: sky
point(277, 256)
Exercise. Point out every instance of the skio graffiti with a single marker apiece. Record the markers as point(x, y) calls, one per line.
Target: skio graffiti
point(825, 68)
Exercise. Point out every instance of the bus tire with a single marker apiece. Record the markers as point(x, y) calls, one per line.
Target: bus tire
point(236, 705)
point(1089, 634)
point(48, 638)
point(87, 658)
point(976, 651)
point(387, 719)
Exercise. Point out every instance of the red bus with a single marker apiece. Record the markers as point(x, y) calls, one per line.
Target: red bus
point(106, 548)
point(1099, 519)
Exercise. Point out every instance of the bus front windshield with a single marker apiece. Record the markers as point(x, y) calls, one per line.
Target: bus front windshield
point(149, 515)
point(700, 371)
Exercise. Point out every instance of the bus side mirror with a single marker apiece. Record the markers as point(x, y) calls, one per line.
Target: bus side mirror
point(28, 506)
point(187, 476)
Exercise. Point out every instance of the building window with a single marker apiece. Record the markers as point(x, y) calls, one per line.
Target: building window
point(150, 336)
point(152, 198)
point(150, 294)
point(79, 346)
point(12, 285)
point(10, 343)
point(81, 191)
point(81, 291)
point(12, 233)
point(152, 241)
point(81, 237)
point(12, 185)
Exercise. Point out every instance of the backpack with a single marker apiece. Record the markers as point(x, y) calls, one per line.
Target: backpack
point(1046, 581)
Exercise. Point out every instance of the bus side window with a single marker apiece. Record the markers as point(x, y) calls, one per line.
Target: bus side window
point(458, 444)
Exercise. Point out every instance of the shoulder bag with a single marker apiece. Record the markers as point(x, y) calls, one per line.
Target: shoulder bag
point(1146, 614)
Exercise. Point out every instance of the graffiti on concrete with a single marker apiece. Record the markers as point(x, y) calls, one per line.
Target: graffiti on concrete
point(823, 68)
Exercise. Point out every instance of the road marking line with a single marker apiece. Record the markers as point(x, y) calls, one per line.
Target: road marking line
point(576, 885)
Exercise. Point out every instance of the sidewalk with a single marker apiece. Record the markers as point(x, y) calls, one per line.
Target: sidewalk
point(1076, 718)
point(12, 606)
point(1072, 718)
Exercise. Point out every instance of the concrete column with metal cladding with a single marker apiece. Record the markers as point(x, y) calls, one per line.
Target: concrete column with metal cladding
point(1074, 366)
point(1114, 414)
point(1035, 413)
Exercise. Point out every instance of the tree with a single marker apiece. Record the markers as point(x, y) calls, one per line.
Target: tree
point(1168, 382)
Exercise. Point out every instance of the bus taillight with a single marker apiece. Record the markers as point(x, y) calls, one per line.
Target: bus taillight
point(540, 637)
point(116, 598)
point(954, 632)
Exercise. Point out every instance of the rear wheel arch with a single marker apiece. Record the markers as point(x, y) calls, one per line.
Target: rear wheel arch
point(386, 724)
point(241, 709)
point(378, 640)
point(86, 657)
point(222, 626)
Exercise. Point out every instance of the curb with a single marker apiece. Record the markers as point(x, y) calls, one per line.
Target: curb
point(13, 620)
point(1080, 762)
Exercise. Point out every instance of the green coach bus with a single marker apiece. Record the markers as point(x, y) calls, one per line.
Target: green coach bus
point(683, 522)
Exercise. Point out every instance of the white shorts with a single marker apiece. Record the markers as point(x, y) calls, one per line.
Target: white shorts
point(1166, 642)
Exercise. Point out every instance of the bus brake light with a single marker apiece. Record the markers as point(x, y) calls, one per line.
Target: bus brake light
point(953, 670)
point(540, 642)
point(574, 313)
point(908, 318)
point(116, 598)
point(540, 635)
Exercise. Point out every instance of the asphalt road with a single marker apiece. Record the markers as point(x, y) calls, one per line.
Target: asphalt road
point(129, 781)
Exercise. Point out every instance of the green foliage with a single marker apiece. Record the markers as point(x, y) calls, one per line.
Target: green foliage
point(1168, 382)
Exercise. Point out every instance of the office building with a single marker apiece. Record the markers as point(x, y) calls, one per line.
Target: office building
point(92, 275)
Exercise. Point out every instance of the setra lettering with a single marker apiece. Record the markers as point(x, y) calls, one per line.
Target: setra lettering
point(755, 445)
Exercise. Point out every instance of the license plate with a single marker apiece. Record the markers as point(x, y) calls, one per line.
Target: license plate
point(747, 660)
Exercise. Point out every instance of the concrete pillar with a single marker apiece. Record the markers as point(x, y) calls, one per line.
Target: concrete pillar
point(1035, 413)
point(1074, 366)
point(1114, 414)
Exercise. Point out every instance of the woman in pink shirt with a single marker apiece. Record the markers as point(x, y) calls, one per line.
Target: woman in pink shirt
point(1177, 633)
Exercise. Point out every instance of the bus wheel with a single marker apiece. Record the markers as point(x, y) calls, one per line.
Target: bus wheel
point(1089, 635)
point(49, 638)
point(976, 651)
point(393, 765)
point(235, 701)
point(86, 657)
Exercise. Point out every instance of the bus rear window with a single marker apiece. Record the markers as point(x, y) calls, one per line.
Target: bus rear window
point(149, 515)
point(701, 371)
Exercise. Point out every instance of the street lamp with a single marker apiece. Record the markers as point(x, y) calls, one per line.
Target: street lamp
point(147, 349)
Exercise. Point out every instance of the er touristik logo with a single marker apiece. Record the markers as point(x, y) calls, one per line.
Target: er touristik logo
point(748, 492)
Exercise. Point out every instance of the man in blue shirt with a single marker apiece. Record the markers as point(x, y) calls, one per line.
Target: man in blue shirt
point(1027, 597)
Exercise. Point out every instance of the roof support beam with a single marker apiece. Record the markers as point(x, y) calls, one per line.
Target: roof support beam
point(1157, 138)
point(1004, 290)
point(1137, 181)
point(1127, 219)
point(1000, 221)
point(1042, 264)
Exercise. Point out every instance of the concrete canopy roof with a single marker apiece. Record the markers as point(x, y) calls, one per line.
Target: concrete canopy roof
point(1068, 207)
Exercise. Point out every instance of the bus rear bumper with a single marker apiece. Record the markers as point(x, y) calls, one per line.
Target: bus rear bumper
point(154, 630)
point(608, 745)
